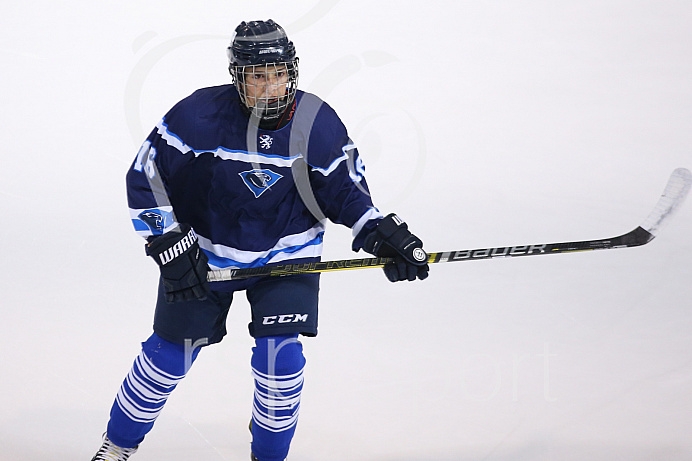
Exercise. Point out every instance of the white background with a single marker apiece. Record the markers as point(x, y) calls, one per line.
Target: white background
point(482, 123)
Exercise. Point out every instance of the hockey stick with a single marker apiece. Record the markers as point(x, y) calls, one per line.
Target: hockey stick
point(674, 194)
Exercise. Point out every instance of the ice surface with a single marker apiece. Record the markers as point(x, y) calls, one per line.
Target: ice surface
point(481, 124)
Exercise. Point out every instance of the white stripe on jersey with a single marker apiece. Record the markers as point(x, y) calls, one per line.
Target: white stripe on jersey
point(225, 154)
point(293, 246)
point(327, 171)
point(372, 213)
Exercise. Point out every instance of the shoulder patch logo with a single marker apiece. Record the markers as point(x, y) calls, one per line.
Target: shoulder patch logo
point(157, 220)
point(259, 181)
point(265, 141)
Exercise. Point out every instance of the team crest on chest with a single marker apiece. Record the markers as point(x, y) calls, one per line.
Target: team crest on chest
point(259, 181)
point(265, 141)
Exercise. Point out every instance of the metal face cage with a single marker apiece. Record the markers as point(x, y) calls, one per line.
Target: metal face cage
point(267, 90)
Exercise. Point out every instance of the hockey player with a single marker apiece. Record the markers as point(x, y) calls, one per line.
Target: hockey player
point(244, 175)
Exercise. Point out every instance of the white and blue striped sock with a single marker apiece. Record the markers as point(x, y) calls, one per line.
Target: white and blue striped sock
point(154, 375)
point(277, 367)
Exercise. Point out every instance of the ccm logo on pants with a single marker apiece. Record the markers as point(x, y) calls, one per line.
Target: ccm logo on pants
point(285, 318)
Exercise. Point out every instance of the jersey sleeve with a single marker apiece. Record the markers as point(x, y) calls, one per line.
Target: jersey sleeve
point(337, 176)
point(157, 161)
point(147, 194)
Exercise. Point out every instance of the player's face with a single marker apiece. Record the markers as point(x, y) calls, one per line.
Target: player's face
point(265, 84)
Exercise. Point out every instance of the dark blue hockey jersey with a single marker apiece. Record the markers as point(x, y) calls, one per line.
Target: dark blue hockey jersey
point(253, 196)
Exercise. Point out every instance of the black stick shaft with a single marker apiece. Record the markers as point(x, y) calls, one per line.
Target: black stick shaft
point(674, 194)
point(636, 237)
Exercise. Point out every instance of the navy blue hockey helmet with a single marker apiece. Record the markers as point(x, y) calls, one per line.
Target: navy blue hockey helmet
point(263, 46)
point(260, 42)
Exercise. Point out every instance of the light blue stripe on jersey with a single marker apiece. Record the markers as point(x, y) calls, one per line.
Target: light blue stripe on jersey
point(160, 220)
point(292, 252)
point(223, 153)
point(327, 171)
point(307, 244)
point(354, 172)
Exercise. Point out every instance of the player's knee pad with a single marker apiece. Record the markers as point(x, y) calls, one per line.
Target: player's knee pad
point(170, 358)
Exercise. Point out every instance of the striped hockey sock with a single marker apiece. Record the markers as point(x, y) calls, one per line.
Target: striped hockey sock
point(154, 375)
point(277, 367)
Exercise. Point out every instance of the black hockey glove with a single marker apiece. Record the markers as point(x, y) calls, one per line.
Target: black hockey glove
point(183, 264)
point(392, 239)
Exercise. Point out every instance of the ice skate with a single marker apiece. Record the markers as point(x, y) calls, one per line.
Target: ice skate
point(111, 452)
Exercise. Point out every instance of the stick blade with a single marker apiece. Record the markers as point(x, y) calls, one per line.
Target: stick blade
point(673, 196)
